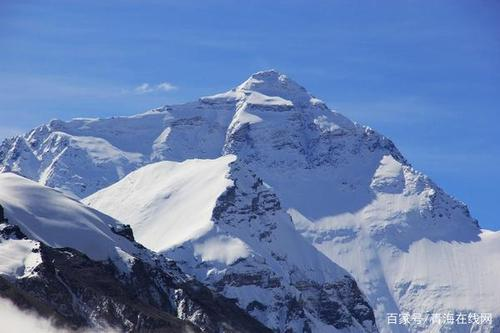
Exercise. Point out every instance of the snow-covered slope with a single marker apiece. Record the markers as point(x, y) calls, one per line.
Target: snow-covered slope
point(45, 215)
point(221, 223)
point(84, 155)
point(356, 198)
point(348, 189)
point(167, 196)
point(83, 268)
point(413, 249)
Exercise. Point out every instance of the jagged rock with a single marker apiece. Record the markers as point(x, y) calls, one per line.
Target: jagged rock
point(348, 190)
point(124, 230)
point(248, 250)
point(128, 288)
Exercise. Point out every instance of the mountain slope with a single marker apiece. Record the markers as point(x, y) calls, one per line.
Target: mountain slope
point(84, 155)
point(168, 194)
point(83, 268)
point(356, 198)
point(231, 233)
point(348, 190)
point(420, 249)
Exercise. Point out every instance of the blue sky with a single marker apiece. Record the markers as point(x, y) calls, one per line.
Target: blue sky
point(424, 73)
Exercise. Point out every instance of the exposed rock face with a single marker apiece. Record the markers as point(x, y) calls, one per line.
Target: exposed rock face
point(139, 292)
point(125, 231)
point(247, 249)
point(331, 298)
point(348, 190)
point(78, 292)
point(84, 155)
point(87, 294)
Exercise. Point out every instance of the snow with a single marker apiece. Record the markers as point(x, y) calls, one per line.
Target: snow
point(222, 248)
point(410, 247)
point(101, 150)
point(168, 196)
point(432, 277)
point(242, 117)
point(467, 271)
point(123, 261)
point(17, 258)
point(277, 86)
point(84, 155)
point(389, 176)
point(48, 216)
point(181, 210)
point(264, 100)
point(327, 126)
point(231, 95)
point(347, 189)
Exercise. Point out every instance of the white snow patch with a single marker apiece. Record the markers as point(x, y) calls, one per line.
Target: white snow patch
point(123, 261)
point(222, 248)
point(326, 124)
point(167, 203)
point(389, 176)
point(101, 150)
point(16, 257)
point(257, 98)
point(245, 117)
point(49, 216)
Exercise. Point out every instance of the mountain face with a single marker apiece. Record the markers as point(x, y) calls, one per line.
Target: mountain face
point(239, 241)
point(83, 269)
point(238, 166)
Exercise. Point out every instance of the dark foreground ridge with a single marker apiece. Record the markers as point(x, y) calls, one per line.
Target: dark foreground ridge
point(77, 292)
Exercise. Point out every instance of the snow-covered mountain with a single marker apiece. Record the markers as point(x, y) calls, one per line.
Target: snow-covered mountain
point(348, 190)
point(83, 269)
point(84, 155)
point(222, 224)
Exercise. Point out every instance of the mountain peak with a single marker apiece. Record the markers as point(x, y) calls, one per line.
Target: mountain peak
point(275, 84)
point(268, 87)
point(269, 76)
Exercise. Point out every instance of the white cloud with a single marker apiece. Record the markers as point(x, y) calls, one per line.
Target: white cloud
point(143, 88)
point(14, 320)
point(146, 88)
point(165, 86)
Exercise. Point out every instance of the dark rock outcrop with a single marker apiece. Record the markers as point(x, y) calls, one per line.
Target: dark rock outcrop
point(154, 296)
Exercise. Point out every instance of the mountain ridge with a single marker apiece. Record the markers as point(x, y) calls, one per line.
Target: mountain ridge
point(347, 189)
point(246, 247)
point(71, 263)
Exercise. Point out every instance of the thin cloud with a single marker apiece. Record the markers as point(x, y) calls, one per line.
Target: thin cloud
point(15, 320)
point(147, 88)
point(143, 89)
point(165, 86)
